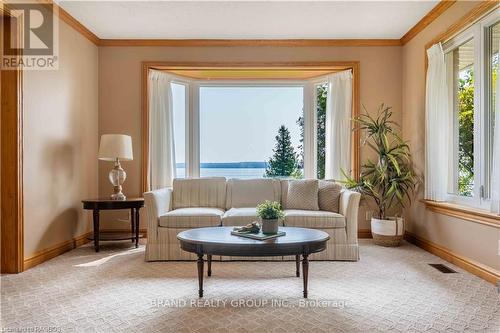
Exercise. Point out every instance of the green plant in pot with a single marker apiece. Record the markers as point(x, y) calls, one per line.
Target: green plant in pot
point(270, 213)
point(389, 181)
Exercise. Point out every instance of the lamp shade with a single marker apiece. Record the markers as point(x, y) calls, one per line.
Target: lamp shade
point(115, 146)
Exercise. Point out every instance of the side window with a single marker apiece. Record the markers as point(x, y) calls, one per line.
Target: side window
point(460, 64)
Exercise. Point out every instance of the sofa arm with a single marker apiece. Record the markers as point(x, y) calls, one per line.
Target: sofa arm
point(157, 203)
point(349, 207)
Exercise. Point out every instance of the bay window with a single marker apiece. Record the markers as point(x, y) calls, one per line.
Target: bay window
point(248, 123)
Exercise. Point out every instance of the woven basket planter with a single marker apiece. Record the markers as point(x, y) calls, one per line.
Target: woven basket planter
point(388, 232)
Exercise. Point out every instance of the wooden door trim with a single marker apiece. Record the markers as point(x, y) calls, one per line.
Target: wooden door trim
point(12, 233)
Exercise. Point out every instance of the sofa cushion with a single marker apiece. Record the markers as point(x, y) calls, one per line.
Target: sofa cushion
point(251, 192)
point(239, 216)
point(329, 195)
point(313, 219)
point(199, 192)
point(302, 194)
point(193, 217)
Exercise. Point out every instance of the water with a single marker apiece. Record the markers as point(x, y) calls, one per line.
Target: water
point(242, 173)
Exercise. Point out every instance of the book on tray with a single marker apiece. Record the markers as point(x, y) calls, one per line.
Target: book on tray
point(257, 235)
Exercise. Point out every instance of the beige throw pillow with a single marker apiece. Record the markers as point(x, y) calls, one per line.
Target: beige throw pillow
point(329, 196)
point(302, 194)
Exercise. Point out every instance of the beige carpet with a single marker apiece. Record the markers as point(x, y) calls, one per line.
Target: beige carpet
point(389, 290)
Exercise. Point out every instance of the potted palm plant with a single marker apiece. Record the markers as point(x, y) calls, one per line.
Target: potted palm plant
point(390, 180)
point(270, 213)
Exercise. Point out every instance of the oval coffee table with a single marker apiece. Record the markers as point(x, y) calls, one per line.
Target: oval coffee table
point(219, 241)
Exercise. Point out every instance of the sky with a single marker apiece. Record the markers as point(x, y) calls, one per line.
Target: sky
point(239, 124)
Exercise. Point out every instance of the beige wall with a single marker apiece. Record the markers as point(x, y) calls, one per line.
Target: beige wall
point(120, 88)
point(60, 144)
point(469, 239)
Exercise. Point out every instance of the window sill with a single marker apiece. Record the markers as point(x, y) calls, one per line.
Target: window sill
point(463, 212)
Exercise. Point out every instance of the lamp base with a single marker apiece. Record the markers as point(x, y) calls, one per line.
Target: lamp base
point(118, 196)
point(117, 176)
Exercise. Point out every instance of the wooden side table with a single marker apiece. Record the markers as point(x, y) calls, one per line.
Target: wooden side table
point(96, 205)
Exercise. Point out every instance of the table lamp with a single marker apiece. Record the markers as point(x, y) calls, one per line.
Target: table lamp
point(116, 147)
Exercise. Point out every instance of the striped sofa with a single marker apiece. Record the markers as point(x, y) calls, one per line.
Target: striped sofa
point(209, 202)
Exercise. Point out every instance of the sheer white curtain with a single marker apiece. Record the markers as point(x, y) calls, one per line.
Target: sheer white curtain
point(338, 129)
point(436, 126)
point(161, 131)
point(495, 176)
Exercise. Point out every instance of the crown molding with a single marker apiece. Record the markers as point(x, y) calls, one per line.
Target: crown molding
point(72, 22)
point(75, 24)
point(439, 9)
point(249, 42)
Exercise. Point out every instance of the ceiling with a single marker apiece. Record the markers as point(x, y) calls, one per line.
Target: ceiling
point(248, 19)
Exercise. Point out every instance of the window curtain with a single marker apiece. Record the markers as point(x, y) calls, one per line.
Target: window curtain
point(338, 129)
point(495, 176)
point(161, 166)
point(436, 126)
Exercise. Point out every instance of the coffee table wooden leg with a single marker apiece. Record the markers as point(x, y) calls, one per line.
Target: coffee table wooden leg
point(200, 275)
point(297, 265)
point(209, 262)
point(305, 272)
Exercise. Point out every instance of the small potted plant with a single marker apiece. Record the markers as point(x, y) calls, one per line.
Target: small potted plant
point(389, 181)
point(270, 213)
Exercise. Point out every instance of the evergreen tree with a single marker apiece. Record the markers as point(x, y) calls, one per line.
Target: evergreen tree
point(284, 161)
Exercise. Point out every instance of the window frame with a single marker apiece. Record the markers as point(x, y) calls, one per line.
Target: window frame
point(484, 25)
point(478, 32)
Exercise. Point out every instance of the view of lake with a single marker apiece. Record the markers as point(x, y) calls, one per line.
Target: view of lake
point(242, 170)
point(243, 173)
